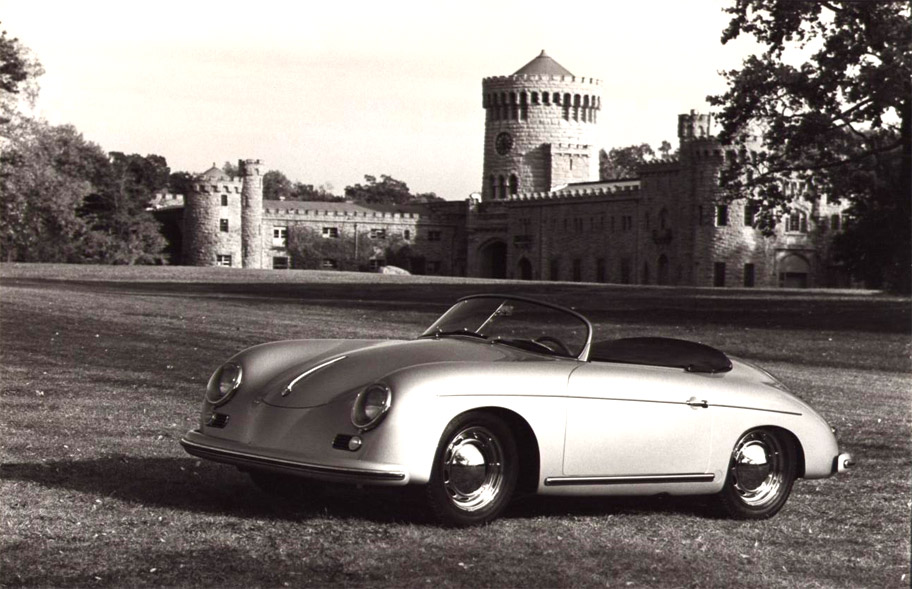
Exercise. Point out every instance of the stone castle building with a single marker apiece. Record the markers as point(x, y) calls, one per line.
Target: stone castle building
point(542, 212)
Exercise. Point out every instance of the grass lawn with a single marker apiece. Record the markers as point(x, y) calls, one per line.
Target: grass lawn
point(102, 370)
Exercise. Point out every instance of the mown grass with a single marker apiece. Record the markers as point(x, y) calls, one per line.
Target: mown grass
point(102, 371)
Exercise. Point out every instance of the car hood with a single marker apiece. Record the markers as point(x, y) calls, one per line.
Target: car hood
point(322, 370)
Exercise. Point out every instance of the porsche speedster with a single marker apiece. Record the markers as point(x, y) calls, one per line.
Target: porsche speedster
point(506, 395)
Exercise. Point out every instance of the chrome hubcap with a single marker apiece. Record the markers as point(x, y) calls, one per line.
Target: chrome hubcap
point(757, 468)
point(473, 468)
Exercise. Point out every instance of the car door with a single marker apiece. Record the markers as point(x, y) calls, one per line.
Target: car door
point(627, 420)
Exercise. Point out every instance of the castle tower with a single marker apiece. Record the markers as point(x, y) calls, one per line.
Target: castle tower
point(212, 220)
point(252, 212)
point(540, 129)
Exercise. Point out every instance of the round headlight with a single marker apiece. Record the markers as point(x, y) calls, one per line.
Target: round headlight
point(370, 406)
point(227, 380)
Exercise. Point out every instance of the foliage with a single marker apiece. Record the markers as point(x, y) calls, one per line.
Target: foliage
point(47, 171)
point(122, 230)
point(231, 169)
point(19, 72)
point(180, 183)
point(309, 249)
point(388, 191)
point(624, 162)
point(276, 186)
point(838, 118)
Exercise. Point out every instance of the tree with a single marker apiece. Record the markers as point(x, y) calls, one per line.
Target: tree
point(47, 172)
point(276, 186)
point(307, 192)
point(231, 170)
point(122, 231)
point(19, 72)
point(387, 191)
point(180, 183)
point(624, 162)
point(839, 119)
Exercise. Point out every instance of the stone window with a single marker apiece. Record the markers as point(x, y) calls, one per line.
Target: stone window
point(223, 225)
point(546, 98)
point(280, 263)
point(555, 269)
point(279, 236)
point(223, 260)
point(224, 200)
point(331, 232)
point(749, 275)
point(407, 235)
point(600, 270)
point(378, 233)
point(577, 270)
point(750, 214)
point(375, 263)
point(719, 274)
point(721, 215)
point(434, 235)
point(514, 184)
point(700, 215)
point(797, 222)
point(502, 182)
point(493, 182)
point(557, 98)
point(645, 272)
point(535, 98)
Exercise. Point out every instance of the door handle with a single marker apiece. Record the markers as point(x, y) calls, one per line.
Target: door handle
point(694, 402)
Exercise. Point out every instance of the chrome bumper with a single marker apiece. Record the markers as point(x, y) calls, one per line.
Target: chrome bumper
point(843, 462)
point(196, 444)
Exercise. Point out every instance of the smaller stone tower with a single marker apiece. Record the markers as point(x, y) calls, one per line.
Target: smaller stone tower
point(252, 212)
point(212, 220)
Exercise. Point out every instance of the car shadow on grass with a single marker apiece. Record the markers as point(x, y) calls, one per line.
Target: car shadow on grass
point(191, 485)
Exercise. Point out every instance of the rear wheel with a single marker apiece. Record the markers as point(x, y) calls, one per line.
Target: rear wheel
point(760, 475)
point(475, 470)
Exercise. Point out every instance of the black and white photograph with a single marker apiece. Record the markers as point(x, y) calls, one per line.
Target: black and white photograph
point(498, 294)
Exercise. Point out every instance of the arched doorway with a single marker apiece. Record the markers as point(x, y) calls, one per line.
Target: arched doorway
point(525, 269)
point(794, 271)
point(492, 260)
point(662, 270)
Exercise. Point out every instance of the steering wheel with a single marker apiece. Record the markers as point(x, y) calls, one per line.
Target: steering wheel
point(556, 343)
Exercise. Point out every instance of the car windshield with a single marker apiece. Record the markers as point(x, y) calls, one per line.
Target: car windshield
point(522, 323)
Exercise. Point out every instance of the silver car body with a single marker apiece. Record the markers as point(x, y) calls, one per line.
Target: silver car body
point(599, 428)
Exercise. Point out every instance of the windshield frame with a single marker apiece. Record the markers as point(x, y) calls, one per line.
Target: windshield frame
point(583, 355)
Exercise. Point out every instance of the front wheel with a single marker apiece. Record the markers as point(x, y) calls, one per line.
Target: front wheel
point(475, 470)
point(760, 475)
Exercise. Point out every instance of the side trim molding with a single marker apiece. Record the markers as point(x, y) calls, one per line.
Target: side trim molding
point(630, 480)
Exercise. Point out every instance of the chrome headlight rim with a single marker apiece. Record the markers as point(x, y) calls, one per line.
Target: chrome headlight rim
point(359, 417)
point(222, 391)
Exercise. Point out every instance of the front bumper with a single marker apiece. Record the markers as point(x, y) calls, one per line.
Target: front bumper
point(843, 462)
point(246, 458)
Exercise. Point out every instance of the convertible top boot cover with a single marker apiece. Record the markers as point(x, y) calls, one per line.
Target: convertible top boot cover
point(661, 351)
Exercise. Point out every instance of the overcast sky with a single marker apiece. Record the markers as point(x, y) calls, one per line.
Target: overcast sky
point(330, 91)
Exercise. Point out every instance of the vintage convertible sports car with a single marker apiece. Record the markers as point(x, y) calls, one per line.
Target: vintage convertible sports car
point(506, 395)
